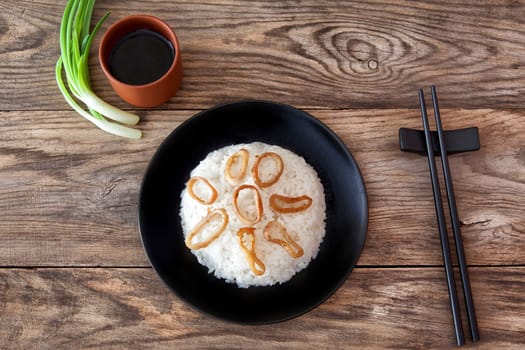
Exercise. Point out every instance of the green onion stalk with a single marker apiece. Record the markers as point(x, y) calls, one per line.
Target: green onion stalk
point(75, 43)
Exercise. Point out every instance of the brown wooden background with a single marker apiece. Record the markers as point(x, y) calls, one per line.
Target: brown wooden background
point(73, 273)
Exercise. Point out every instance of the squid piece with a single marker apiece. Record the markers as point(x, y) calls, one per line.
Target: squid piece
point(191, 184)
point(258, 204)
point(286, 205)
point(201, 225)
point(256, 265)
point(255, 169)
point(273, 229)
point(240, 156)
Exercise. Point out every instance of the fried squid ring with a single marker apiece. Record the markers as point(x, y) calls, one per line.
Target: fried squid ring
point(258, 204)
point(211, 215)
point(240, 156)
point(287, 242)
point(255, 170)
point(191, 184)
point(286, 205)
point(256, 265)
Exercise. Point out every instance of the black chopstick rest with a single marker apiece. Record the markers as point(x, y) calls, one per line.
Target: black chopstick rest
point(457, 141)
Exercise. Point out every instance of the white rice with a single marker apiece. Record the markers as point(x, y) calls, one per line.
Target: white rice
point(224, 256)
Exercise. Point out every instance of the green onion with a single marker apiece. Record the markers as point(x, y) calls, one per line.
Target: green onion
point(75, 43)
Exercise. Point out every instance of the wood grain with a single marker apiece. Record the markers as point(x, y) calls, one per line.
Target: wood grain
point(73, 273)
point(315, 54)
point(132, 309)
point(69, 192)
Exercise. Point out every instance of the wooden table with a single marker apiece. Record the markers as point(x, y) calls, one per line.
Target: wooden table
point(73, 273)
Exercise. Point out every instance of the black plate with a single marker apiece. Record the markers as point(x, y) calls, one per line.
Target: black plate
point(244, 122)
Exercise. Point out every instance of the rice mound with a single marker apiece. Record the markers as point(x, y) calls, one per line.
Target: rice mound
point(224, 256)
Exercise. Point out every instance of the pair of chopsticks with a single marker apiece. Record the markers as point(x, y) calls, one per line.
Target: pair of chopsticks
point(454, 304)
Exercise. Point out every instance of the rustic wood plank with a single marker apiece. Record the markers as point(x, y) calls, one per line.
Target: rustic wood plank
point(72, 200)
point(68, 192)
point(131, 308)
point(328, 54)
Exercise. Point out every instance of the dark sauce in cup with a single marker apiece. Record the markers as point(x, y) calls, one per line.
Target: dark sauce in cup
point(141, 57)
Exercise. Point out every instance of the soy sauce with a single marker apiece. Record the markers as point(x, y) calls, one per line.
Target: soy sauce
point(141, 57)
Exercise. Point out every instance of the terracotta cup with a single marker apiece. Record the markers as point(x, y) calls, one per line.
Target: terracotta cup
point(156, 92)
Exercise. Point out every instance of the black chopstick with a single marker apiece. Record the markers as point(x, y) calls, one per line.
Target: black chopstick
point(447, 259)
point(471, 314)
